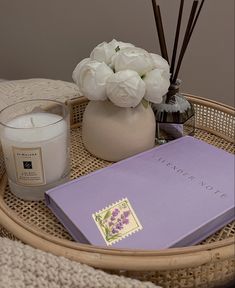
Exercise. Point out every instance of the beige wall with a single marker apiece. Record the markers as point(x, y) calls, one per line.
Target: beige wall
point(46, 38)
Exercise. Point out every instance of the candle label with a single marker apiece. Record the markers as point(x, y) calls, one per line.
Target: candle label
point(28, 165)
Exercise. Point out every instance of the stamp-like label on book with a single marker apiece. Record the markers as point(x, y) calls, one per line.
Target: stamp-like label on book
point(117, 221)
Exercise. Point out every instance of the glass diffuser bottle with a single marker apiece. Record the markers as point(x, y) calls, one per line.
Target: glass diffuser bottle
point(174, 116)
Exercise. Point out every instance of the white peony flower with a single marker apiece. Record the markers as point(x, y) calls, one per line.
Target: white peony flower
point(133, 58)
point(118, 45)
point(92, 79)
point(123, 45)
point(159, 62)
point(157, 83)
point(125, 88)
point(103, 52)
point(78, 70)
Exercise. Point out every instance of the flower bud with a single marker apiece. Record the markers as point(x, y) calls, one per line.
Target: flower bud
point(125, 88)
point(133, 58)
point(159, 62)
point(157, 83)
point(92, 77)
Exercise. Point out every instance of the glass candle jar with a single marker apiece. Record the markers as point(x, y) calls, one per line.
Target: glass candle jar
point(35, 142)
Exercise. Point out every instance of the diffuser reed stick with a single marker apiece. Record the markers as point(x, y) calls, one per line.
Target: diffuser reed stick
point(186, 40)
point(192, 21)
point(177, 33)
point(160, 30)
point(196, 18)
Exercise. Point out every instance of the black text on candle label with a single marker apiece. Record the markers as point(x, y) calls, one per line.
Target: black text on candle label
point(29, 166)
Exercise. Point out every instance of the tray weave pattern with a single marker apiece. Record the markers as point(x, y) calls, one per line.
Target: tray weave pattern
point(37, 214)
point(208, 275)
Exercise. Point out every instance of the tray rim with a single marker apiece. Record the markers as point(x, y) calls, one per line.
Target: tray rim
point(172, 258)
point(109, 258)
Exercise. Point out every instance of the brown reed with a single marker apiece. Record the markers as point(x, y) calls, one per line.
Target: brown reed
point(192, 21)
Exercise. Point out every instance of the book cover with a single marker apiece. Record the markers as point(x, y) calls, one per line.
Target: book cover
point(173, 195)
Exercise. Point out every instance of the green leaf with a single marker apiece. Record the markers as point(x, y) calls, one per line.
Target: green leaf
point(106, 230)
point(98, 218)
point(107, 215)
point(145, 103)
point(117, 48)
point(113, 237)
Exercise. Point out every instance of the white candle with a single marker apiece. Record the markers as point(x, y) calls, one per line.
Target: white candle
point(36, 153)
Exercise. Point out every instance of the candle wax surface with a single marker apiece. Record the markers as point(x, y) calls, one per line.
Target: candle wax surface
point(34, 127)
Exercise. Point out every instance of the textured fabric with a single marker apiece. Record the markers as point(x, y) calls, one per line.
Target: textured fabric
point(20, 90)
point(22, 266)
point(7, 234)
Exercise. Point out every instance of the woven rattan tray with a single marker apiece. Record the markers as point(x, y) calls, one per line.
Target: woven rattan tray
point(209, 264)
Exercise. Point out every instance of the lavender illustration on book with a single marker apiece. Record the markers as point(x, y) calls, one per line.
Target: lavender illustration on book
point(117, 221)
point(113, 223)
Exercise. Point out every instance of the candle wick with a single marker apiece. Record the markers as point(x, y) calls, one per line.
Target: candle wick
point(31, 120)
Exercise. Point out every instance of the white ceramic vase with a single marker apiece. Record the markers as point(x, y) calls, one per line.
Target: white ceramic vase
point(113, 133)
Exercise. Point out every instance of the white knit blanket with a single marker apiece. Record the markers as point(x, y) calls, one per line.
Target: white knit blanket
point(21, 90)
point(22, 266)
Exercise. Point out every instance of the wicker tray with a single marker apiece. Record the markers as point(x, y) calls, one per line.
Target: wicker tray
point(209, 264)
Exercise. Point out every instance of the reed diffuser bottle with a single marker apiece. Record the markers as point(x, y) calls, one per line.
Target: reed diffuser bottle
point(175, 115)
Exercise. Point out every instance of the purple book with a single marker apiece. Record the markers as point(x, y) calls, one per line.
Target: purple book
point(173, 195)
